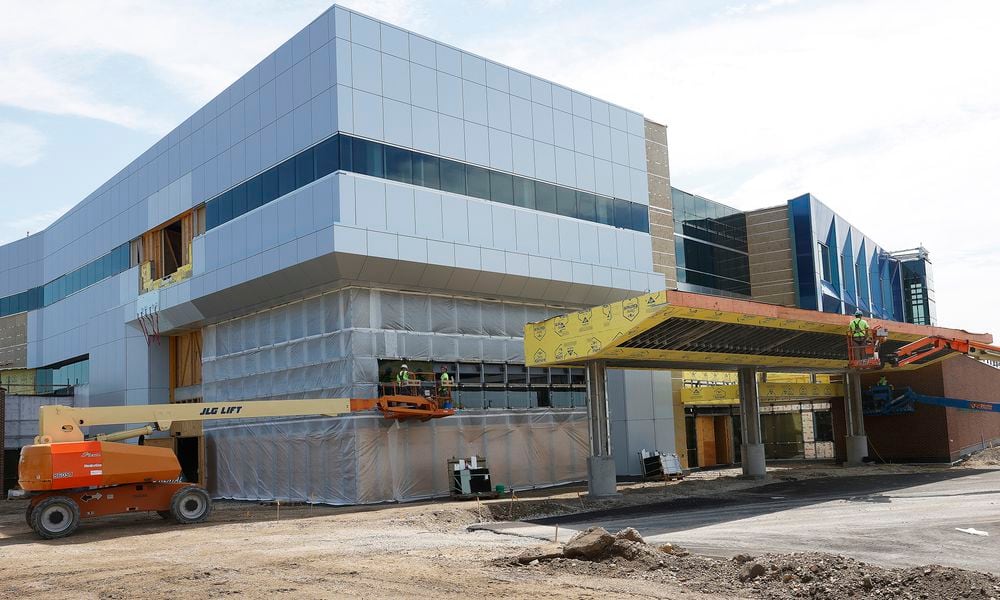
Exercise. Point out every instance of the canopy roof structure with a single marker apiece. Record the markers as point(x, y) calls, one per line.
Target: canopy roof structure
point(673, 329)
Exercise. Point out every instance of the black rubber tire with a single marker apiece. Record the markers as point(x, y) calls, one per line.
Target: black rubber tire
point(27, 517)
point(164, 514)
point(190, 504)
point(55, 517)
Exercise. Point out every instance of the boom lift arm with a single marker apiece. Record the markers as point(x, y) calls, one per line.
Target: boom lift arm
point(930, 347)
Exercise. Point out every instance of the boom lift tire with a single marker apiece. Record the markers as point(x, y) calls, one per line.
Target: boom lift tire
point(164, 514)
point(190, 504)
point(55, 517)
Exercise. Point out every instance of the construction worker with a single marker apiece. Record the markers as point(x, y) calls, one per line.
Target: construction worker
point(882, 381)
point(859, 330)
point(403, 379)
point(444, 386)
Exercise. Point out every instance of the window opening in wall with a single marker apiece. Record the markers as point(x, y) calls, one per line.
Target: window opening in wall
point(165, 252)
point(172, 247)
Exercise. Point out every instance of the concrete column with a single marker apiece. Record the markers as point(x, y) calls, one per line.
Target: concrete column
point(601, 472)
point(752, 448)
point(857, 441)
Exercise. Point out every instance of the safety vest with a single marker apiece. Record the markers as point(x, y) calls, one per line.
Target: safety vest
point(403, 376)
point(859, 327)
point(445, 378)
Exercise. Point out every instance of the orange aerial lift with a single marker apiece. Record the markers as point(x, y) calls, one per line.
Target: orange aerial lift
point(69, 478)
point(868, 356)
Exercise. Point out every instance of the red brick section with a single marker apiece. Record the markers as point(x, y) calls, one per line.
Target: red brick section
point(688, 299)
point(935, 433)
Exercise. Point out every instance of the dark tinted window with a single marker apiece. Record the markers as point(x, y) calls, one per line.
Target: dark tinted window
point(367, 158)
point(586, 204)
point(269, 185)
point(286, 177)
point(255, 193)
point(452, 177)
point(304, 169)
point(605, 210)
point(426, 171)
point(239, 200)
point(327, 157)
point(623, 213)
point(398, 164)
point(545, 197)
point(640, 217)
point(493, 373)
point(566, 202)
point(225, 207)
point(501, 187)
point(212, 214)
point(346, 153)
point(478, 182)
point(524, 192)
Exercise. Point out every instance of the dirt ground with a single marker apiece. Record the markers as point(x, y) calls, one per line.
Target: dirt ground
point(421, 550)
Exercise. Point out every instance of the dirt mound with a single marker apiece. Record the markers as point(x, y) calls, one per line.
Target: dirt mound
point(990, 457)
point(596, 552)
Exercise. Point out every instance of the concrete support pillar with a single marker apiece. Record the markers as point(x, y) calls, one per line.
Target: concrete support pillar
point(857, 441)
point(601, 473)
point(752, 448)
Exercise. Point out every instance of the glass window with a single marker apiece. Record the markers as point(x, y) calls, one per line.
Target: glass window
point(560, 375)
point(470, 373)
point(225, 207)
point(586, 204)
point(327, 155)
point(640, 217)
point(538, 376)
point(346, 153)
point(398, 164)
point(501, 187)
point(102, 265)
point(493, 373)
point(824, 260)
point(269, 185)
point(623, 213)
point(367, 158)
point(305, 172)
point(255, 193)
point(577, 376)
point(426, 171)
point(605, 210)
point(524, 192)
point(212, 214)
point(478, 182)
point(545, 197)
point(239, 200)
point(286, 177)
point(566, 202)
point(452, 177)
point(517, 375)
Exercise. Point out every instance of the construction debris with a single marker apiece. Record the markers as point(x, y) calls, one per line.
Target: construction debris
point(596, 552)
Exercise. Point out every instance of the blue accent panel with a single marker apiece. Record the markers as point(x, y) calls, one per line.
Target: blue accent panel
point(800, 213)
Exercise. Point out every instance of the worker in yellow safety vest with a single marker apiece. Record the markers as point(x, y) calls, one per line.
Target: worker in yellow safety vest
point(403, 380)
point(444, 384)
point(859, 330)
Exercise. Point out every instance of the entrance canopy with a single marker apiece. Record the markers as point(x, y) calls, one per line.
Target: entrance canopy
point(672, 329)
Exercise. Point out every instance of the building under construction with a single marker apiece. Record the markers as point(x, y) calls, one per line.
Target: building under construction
point(367, 197)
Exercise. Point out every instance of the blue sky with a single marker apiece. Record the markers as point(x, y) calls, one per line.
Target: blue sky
point(886, 110)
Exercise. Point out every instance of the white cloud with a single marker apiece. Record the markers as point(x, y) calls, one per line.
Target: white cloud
point(20, 145)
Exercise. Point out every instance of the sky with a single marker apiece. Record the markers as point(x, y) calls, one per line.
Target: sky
point(888, 111)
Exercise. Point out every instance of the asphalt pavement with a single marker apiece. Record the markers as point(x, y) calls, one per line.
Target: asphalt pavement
point(892, 520)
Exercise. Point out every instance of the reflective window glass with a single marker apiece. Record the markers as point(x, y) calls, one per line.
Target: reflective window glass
point(640, 217)
point(225, 207)
point(524, 192)
point(478, 182)
point(426, 171)
point(566, 202)
point(255, 193)
point(327, 156)
point(305, 172)
point(586, 204)
point(623, 213)
point(212, 214)
point(398, 164)
point(269, 185)
point(239, 200)
point(545, 197)
point(501, 187)
point(452, 177)
point(346, 153)
point(286, 177)
point(605, 210)
point(367, 158)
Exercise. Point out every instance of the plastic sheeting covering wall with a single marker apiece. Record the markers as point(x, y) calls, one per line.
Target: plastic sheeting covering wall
point(329, 345)
point(367, 459)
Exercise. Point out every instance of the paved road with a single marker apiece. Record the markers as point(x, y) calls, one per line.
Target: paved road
point(893, 520)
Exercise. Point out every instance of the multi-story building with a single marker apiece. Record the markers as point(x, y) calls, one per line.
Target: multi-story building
point(364, 196)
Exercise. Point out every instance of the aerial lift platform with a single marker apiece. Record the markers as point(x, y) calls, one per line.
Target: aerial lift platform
point(69, 477)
